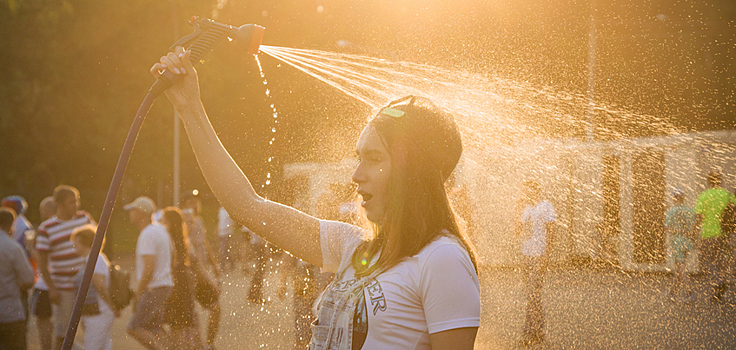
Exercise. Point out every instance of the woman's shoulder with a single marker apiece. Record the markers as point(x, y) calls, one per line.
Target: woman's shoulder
point(445, 261)
point(443, 249)
point(338, 241)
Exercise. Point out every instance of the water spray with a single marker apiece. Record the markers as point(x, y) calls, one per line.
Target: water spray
point(207, 33)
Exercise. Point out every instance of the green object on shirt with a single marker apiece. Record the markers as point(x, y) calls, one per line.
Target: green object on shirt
point(710, 204)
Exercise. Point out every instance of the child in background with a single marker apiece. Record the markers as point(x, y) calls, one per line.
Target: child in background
point(98, 312)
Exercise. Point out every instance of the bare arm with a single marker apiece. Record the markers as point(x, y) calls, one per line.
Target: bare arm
point(454, 339)
point(149, 264)
point(211, 258)
point(43, 266)
point(100, 283)
point(518, 212)
point(23, 270)
point(284, 226)
point(551, 233)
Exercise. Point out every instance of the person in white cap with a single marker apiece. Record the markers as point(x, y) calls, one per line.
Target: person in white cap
point(153, 272)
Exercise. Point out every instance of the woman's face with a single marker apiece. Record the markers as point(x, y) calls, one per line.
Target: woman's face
point(372, 174)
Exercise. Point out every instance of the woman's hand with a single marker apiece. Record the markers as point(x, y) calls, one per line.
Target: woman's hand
point(184, 93)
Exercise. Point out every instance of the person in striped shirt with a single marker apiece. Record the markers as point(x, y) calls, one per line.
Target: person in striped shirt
point(57, 258)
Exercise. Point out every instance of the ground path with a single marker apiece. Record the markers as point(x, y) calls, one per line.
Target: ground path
point(585, 309)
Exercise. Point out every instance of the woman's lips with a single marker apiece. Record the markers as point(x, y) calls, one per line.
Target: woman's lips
point(366, 197)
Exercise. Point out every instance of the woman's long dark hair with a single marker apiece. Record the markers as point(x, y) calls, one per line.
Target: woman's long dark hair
point(423, 154)
point(179, 235)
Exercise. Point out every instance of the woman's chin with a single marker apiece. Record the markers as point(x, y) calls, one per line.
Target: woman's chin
point(374, 217)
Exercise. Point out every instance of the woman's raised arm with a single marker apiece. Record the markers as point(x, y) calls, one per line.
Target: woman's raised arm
point(286, 227)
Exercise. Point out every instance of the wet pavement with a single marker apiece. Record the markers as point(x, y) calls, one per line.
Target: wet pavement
point(588, 309)
point(585, 309)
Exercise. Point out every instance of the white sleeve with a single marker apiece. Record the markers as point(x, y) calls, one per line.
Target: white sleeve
point(101, 267)
point(224, 223)
point(338, 240)
point(449, 289)
point(147, 242)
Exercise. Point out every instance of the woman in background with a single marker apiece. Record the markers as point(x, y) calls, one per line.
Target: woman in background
point(180, 313)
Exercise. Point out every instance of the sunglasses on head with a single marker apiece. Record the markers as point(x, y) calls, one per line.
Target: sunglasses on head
point(397, 113)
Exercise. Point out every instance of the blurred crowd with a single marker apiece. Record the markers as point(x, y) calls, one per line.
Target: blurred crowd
point(176, 267)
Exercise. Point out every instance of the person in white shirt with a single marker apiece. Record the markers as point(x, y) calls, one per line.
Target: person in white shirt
point(225, 228)
point(409, 283)
point(153, 272)
point(97, 323)
point(537, 225)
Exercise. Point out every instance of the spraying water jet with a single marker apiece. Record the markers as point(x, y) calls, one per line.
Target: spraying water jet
point(207, 33)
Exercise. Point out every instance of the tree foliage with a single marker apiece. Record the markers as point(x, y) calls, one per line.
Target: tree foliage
point(73, 73)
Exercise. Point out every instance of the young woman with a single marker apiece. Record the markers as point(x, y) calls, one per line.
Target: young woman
point(98, 312)
point(180, 314)
point(411, 281)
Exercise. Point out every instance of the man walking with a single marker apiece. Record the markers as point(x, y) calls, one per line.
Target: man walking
point(537, 225)
point(57, 259)
point(153, 272)
point(16, 275)
point(714, 244)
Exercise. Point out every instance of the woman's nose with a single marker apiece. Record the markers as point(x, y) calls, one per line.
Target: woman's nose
point(357, 176)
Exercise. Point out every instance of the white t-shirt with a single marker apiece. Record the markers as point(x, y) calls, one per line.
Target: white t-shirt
point(154, 240)
point(535, 219)
point(433, 291)
point(102, 267)
point(225, 224)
